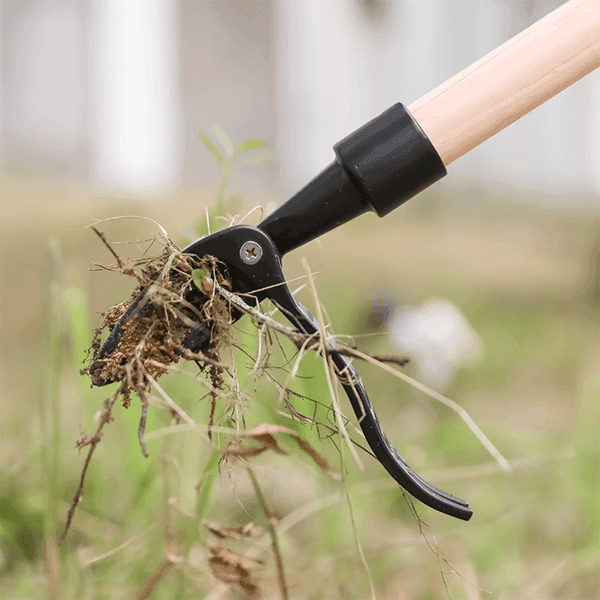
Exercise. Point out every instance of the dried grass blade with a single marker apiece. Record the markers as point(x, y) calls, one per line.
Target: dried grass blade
point(328, 365)
point(464, 415)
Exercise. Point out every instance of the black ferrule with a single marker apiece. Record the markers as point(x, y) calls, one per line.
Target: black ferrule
point(378, 167)
point(391, 159)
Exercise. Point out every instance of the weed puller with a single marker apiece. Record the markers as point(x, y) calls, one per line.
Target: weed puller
point(380, 166)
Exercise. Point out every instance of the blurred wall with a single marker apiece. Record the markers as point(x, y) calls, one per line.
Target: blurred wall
point(228, 78)
point(113, 92)
point(45, 91)
point(135, 125)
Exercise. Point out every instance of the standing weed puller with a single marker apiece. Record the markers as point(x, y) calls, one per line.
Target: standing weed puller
point(377, 168)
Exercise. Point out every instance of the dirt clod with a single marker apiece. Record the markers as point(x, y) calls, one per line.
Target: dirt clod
point(166, 318)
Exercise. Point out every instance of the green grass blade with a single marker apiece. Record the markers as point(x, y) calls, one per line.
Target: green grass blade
point(248, 145)
point(223, 139)
point(211, 147)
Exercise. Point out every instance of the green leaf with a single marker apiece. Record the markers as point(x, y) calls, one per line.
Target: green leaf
point(223, 139)
point(249, 145)
point(213, 149)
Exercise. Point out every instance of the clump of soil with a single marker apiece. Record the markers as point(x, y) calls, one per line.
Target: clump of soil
point(173, 313)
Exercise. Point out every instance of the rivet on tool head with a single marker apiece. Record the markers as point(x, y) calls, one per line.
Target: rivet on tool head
point(250, 253)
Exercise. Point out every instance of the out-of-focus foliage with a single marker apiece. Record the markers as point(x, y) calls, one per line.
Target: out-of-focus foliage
point(525, 280)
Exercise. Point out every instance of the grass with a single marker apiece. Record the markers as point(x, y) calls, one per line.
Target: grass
point(534, 533)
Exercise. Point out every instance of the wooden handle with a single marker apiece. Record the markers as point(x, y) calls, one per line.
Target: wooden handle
point(511, 80)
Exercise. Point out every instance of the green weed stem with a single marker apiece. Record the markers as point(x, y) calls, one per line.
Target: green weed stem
point(50, 412)
point(204, 491)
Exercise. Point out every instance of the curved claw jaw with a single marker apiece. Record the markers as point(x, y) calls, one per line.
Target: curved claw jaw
point(387, 455)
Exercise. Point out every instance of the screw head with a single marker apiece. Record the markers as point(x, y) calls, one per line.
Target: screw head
point(250, 253)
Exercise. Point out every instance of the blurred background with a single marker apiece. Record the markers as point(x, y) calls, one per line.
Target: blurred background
point(488, 281)
point(112, 93)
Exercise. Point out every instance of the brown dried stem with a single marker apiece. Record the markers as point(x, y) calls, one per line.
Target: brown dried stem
point(92, 441)
point(272, 533)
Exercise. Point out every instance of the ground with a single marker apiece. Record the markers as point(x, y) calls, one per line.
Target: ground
point(527, 281)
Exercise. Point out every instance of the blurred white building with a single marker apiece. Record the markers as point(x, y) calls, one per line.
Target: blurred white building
point(114, 91)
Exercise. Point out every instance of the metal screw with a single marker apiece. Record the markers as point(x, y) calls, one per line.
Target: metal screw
point(250, 253)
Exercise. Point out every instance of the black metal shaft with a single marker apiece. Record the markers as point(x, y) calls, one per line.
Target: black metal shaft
point(378, 167)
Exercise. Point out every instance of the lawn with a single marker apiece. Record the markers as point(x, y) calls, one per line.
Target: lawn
point(525, 278)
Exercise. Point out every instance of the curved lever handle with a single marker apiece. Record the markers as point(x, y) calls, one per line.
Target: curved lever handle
point(387, 455)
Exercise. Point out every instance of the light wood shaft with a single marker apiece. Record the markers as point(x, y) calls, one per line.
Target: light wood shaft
point(511, 80)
